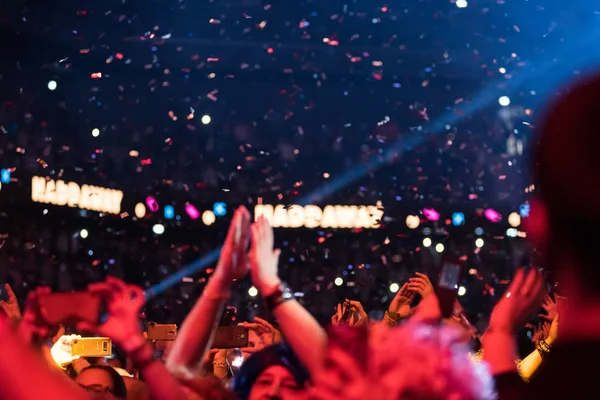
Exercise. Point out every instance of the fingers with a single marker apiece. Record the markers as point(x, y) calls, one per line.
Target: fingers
point(516, 282)
point(545, 317)
point(403, 290)
point(12, 298)
point(264, 323)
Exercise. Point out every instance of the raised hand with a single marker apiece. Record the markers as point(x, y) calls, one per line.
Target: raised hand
point(263, 259)
point(549, 305)
point(11, 307)
point(402, 301)
point(233, 262)
point(123, 303)
point(421, 285)
point(522, 298)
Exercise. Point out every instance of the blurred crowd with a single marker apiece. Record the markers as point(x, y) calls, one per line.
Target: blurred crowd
point(419, 108)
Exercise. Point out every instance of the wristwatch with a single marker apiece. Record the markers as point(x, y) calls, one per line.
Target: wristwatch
point(282, 294)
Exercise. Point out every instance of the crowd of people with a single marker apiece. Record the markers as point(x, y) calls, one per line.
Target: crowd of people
point(244, 102)
point(416, 351)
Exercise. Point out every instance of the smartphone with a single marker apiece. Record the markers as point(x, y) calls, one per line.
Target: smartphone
point(230, 337)
point(228, 317)
point(161, 332)
point(347, 314)
point(92, 347)
point(447, 289)
point(69, 308)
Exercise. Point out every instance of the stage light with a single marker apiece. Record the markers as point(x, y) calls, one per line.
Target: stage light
point(52, 85)
point(426, 242)
point(95, 132)
point(462, 290)
point(169, 212)
point(479, 242)
point(152, 204)
point(431, 214)
point(504, 101)
point(394, 287)
point(458, 219)
point(208, 217)
point(492, 215)
point(83, 233)
point(220, 209)
point(512, 232)
point(158, 229)
point(192, 211)
point(206, 119)
point(253, 292)
point(5, 176)
point(461, 3)
point(439, 247)
point(413, 221)
point(338, 281)
point(524, 210)
point(140, 210)
point(514, 220)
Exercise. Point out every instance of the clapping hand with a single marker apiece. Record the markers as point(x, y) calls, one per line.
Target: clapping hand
point(402, 301)
point(233, 262)
point(549, 305)
point(522, 298)
point(263, 258)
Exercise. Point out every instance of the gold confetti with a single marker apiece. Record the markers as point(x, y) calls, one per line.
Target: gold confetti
point(42, 163)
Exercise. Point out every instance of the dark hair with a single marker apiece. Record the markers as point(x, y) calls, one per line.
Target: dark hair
point(118, 383)
point(278, 354)
point(567, 166)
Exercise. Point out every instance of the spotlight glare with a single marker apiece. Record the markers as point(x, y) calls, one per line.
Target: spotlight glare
point(140, 210)
point(461, 3)
point(338, 281)
point(252, 292)
point(504, 101)
point(394, 287)
point(514, 219)
point(462, 290)
point(83, 233)
point(426, 242)
point(439, 247)
point(52, 85)
point(206, 119)
point(158, 229)
point(413, 221)
point(208, 217)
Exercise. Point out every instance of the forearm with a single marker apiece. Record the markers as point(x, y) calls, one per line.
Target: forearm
point(21, 365)
point(161, 383)
point(529, 365)
point(500, 351)
point(196, 331)
point(303, 333)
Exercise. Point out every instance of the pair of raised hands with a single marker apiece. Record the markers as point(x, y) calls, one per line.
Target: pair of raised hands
point(235, 260)
point(419, 284)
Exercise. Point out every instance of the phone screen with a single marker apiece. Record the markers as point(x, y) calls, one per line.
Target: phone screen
point(450, 275)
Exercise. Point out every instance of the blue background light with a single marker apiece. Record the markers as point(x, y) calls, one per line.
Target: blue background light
point(524, 210)
point(220, 209)
point(5, 176)
point(458, 219)
point(169, 212)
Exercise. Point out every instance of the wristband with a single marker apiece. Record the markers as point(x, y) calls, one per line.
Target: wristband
point(282, 294)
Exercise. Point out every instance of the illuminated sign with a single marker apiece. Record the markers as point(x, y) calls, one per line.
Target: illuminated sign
point(311, 216)
point(70, 194)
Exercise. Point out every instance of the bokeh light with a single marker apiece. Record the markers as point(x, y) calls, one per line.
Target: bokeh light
point(158, 229)
point(504, 101)
point(52, 85)
point(426, 242)
point(206, 119)
point(252, 291)
point(439, 247)
point(338, 281)
point(83, 233)
point(394, 287)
